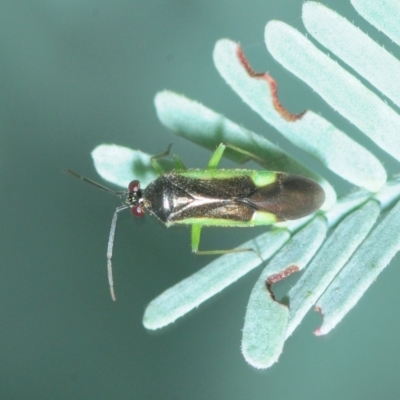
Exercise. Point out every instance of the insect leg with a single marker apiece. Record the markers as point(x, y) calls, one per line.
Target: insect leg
point(110, 250)
point(179, 165)
point(154, 162)
point(252, 156)
point(218, 153)
point(196, 233)
point(216, 156)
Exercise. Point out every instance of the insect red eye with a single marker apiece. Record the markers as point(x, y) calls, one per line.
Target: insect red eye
point(137, 211)
point(134, 186)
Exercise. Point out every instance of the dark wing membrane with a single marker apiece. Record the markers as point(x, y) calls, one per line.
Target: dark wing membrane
point(290, 197)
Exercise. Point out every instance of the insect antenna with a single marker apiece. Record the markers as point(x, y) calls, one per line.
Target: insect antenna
point(110, 245)
point(118, 193)
point(110, 250)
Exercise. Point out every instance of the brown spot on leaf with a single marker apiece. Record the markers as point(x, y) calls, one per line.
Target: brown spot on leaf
point(273, 86)
point(318, 331)
point(279, 276)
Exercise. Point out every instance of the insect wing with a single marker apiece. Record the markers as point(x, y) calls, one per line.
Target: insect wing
point(289, 197)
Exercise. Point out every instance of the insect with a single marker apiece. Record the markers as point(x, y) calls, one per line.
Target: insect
point(215, 197)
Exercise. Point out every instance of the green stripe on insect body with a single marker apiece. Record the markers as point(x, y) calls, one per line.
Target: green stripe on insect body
point(258, 218)
point(217, 197)
point(260, 178)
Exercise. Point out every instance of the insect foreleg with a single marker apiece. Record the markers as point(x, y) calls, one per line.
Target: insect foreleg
point(154, 162)
point(216, 156)
point(178, 164)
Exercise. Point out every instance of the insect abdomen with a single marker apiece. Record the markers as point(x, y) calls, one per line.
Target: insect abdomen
point(289, 197)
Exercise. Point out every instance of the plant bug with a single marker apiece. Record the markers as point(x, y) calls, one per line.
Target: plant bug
point(215, 197)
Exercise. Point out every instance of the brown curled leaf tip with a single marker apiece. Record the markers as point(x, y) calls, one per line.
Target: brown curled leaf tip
point(273, 87)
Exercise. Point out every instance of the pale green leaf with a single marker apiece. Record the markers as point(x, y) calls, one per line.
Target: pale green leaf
point(354, 47)
point(197, 123)
point(361, 271)
point(266, 320)
point(311, 132)
point(334, 253)
point(340, 89)
point(220, 273)
point(383, 14)
point(120, 165)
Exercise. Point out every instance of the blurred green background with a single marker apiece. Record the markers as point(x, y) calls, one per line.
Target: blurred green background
point(75, 74)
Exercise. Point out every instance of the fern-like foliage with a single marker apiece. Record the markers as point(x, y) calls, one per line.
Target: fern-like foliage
point(342, 246)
